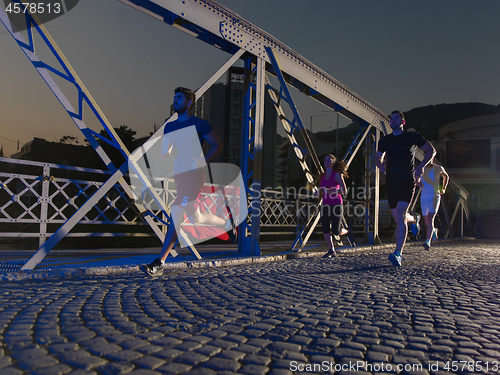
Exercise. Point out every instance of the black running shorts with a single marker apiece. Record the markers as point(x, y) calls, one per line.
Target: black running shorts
point(399, 192)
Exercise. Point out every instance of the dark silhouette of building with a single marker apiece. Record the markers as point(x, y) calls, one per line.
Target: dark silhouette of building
point(222, 105)
point(469, 151)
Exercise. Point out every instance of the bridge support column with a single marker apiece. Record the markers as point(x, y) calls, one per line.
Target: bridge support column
point(376, 206)
point(252, 139)
point(371, 187)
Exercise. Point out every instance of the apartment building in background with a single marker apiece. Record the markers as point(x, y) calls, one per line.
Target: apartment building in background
point(222, 105)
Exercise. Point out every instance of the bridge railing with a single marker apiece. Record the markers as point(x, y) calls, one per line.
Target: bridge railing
point(36, 198)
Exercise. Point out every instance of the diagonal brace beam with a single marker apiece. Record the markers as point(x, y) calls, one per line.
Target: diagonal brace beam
point(297, 119)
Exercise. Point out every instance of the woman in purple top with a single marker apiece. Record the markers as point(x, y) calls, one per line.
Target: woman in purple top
point(332, 186)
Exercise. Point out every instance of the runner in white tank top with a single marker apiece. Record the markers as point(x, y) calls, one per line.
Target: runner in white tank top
point(430, 197)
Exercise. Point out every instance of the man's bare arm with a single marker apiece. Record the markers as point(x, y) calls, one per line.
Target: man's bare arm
point(380, 161)
point(429, 154)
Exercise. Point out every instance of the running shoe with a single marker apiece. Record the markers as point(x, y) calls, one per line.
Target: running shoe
point(153, 269)
point(395, 258)
point(426, 246)
point(415, 227)
point(330, 254)
point(337, 240)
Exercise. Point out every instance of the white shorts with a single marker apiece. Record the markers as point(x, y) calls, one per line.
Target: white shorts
point(430, 203)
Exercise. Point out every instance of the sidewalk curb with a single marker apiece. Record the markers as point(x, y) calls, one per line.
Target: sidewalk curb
point(193, 264)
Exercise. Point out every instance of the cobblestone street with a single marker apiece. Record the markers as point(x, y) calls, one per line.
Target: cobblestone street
point(439, 313)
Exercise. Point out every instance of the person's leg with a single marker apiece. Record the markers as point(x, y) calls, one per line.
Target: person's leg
point(400, 214)
point(168, 243)
point(405, 195)
point(428, 218)
point(436, 202)
point(176, 215)
point(155, 268)
point(431, 228)
point(329, 241)
point(184, 184)
point(399, 196)
point(426, 208)
point(326, 225)
point(337, 214)
point(431, 209)
point(429, 222)
point(410, 219)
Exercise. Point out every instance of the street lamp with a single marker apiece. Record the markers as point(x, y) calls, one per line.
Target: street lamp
point(311, 121)
point(337, 142)
point(337, 135)
point(311, 129)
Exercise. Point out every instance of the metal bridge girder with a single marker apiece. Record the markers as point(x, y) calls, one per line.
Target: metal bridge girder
point(251, 152)
point(217, 25)
point(84, 97)
point(68, 74)
point(213, 23)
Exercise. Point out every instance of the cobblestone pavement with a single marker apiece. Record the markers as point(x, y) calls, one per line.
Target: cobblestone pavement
point(439, 313)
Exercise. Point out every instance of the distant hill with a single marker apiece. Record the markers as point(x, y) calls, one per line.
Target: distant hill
point(331, 136)
point(426, 120)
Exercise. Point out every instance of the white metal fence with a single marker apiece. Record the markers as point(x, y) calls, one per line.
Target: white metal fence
point(36, 197)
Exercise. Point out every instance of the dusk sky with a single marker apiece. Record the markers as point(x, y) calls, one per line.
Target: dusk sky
point(396, 54)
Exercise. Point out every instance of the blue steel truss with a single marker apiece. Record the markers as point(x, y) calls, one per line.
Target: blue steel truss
point(214, 24)
point(251, 153)
point(83, 99)
point(296, 125)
